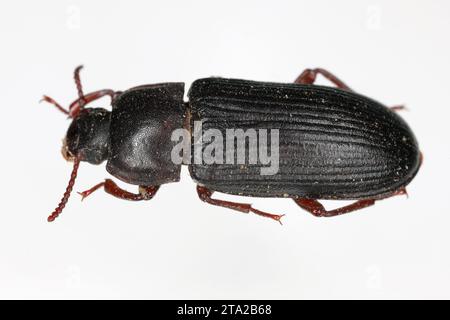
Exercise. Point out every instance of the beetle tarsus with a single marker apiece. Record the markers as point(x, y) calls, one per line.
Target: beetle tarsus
point(86, 193)
point(276, 217)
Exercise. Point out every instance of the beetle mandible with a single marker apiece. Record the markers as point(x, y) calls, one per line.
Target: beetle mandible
point(367, 152)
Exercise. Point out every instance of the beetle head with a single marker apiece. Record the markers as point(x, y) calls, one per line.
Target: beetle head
point(87, 136)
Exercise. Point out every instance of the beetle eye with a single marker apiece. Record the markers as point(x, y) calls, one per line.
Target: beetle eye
point(71, 142)
point(67, 155)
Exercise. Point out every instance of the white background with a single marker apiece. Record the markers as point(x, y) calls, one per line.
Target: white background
point(176, 246)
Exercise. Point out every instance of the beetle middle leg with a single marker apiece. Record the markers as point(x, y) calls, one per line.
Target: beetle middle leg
point(145, 192)
point(308, 76)
point(205, 195)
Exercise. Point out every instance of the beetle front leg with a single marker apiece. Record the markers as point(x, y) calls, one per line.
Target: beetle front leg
point(145, 192)
point(83, 99)
point(75, 106)
point(309, 77)
point(205, 195)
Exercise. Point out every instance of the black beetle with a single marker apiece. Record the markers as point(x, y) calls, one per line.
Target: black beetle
point(333, 143)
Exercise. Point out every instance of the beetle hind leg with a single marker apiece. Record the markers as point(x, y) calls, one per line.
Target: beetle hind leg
point(398, 108)
point(317, 209)
point(205, 195)
point(308, 76)
point(145, 192)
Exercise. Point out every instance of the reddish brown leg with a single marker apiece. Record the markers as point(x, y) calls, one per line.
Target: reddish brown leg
point(75, 106)
point(205, 195)
point(78, 104)
point(318, 210)
point(309, 77)
point(82, 100)
point(399, 192)
point(399, 108)
point(145, 192)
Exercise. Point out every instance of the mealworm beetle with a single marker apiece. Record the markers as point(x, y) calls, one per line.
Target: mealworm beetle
point(333, 144)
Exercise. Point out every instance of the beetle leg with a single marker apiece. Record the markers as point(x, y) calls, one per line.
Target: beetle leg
point(318, 210)
point(78, 104)
point(399, 108)
point(75, 106)
point(308, 76)
point(205, 195)
point(145, 192)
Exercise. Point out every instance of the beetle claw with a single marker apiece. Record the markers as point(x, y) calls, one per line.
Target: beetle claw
point(276, 217)
point(82, 194)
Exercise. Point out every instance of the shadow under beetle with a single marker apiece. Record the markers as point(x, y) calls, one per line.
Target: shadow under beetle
point(367, 152)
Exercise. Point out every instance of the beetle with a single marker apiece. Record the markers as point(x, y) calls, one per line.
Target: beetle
point(333, 143)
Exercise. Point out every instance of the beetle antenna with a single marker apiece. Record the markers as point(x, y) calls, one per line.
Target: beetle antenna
point(76, 106)
point(62, 203)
